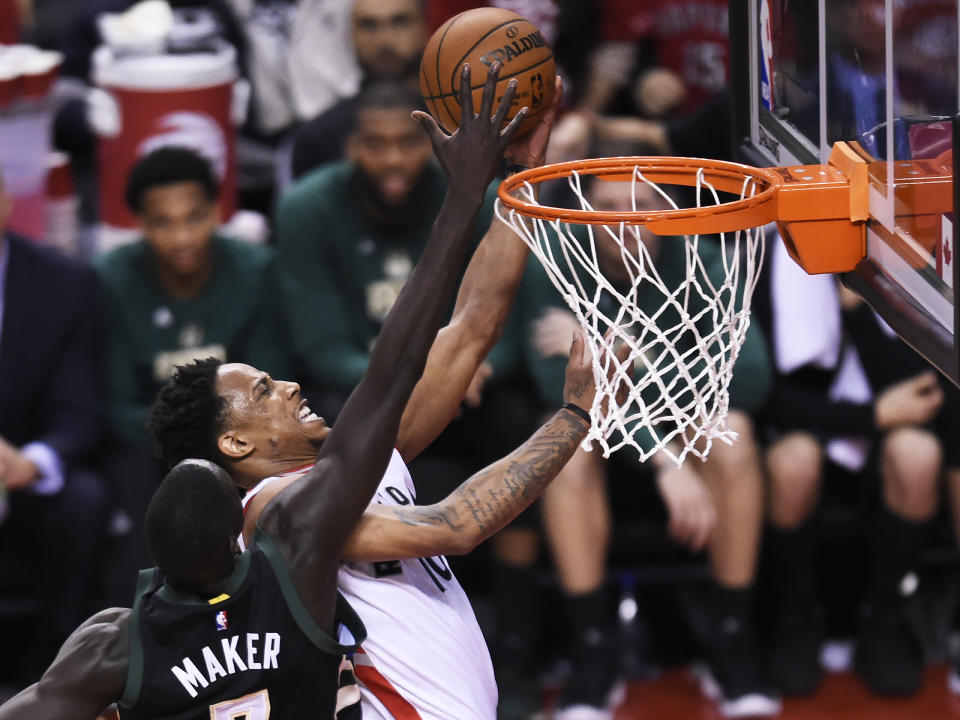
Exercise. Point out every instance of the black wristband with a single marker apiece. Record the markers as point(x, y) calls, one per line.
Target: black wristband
point(577, 410)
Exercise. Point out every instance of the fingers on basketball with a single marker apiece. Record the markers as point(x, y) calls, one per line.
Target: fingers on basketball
point(481, 37)
point(489, 90)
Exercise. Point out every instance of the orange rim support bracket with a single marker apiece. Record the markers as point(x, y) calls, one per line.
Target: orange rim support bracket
point(822, 212)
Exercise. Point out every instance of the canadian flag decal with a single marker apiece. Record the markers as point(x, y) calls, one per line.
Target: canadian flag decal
point(945, 256)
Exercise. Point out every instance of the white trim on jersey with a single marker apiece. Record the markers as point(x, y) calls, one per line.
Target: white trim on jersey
point(423, 640)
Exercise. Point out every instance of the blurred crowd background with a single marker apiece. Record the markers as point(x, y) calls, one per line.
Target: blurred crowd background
point(242, 179)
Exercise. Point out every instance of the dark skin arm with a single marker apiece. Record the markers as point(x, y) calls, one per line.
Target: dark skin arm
point(486, 502)
point(484, 300)
point(483, 303)
point(88, 675)
point(311, 520)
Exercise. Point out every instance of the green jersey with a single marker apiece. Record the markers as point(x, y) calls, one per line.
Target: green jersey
point(752, 373)
point(341, 271)
point(235, 318)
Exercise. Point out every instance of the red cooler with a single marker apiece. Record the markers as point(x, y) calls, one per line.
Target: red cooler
point(147, 101)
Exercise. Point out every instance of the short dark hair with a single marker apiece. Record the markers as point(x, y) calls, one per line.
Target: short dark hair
point(389, 95)
point(188, 414)
point(191, 523)
point(168, 165)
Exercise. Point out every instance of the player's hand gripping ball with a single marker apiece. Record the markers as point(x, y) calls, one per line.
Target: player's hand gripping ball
point(480, 37)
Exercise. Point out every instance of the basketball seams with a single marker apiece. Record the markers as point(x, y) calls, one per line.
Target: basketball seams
point(473, 47)
point(492, 26)
point(456, 93)
point(437, 55)
point(425, 81)
point(431, 100)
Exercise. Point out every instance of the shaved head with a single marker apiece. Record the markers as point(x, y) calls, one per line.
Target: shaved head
point(192, 525)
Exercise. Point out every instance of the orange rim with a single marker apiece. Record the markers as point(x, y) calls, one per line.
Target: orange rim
point(728, 177)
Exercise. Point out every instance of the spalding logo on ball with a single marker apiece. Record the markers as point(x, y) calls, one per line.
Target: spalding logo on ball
point(481, 37)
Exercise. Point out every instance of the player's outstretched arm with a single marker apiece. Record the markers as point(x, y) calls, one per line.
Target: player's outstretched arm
point(312, 518)
point(88, 675)
point(490, 499)
point(486, 295)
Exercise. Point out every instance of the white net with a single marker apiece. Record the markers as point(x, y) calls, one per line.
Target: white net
point(681, 305)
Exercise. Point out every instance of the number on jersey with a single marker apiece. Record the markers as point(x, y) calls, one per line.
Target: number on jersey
point(255, 706)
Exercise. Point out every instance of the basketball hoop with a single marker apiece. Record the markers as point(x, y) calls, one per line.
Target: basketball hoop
point(677, 395)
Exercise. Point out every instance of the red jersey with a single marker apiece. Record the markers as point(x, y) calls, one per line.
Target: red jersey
point(542, 13)
point(9, 22)
point(690, 37)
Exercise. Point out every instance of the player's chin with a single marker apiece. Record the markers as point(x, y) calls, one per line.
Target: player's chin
point(319, 433)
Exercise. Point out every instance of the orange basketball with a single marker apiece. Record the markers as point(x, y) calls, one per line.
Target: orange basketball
point(481, 37)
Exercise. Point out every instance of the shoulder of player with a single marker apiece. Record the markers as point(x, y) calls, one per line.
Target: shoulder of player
point(296, 502)
point(104, 636)
point(108, 629)
point(254, 515)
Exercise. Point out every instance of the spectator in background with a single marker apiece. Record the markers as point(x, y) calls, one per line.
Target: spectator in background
point(848, 394)
point(542, 13)
point(74, 133)
point(388, 40)
point(349, 234)
point(717, 504)
point(180, 293)
point(300, 61)
point(50, 427)
point(652, 70)
point(42, 22)
point(82, 35)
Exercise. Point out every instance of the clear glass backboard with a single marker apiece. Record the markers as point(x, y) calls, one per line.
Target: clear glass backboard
point(883, 76)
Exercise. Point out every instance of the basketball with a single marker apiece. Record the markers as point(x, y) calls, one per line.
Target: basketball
point(480, 37)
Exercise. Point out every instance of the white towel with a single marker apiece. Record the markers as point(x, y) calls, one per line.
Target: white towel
point(806, 315)
point(850, 384)
point(808, 331)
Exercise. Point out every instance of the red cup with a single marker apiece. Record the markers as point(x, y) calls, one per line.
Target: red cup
point(59, 177)
point(8, 86)
point(39, 73)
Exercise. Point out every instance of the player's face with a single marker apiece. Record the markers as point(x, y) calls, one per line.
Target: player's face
point(612, 196)
point(178, 220)
point(269, 416)
point(388, 36)
point(392, 151)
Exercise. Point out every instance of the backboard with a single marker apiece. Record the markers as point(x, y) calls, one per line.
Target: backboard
point(883, 76)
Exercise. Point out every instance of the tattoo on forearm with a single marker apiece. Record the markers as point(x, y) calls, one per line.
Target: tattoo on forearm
point(493, 497)
point(428, 515)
